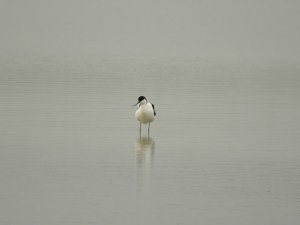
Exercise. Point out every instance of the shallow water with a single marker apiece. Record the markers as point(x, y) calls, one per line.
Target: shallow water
point(224, 148)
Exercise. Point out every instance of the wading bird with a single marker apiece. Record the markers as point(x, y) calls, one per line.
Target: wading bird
point(145, 112)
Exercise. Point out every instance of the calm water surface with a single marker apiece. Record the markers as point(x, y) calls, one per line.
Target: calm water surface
point(224, 148)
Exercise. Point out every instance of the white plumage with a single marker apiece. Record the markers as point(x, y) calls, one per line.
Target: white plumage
point(145, 112)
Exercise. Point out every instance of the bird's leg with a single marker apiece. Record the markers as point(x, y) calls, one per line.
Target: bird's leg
point(140, 130)
point(148, 128)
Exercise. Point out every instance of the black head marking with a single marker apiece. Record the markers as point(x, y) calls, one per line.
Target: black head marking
point(141, 98)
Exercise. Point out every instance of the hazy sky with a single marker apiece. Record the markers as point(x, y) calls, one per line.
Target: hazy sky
point(267, 29)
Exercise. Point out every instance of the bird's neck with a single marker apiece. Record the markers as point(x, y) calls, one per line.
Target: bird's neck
point(144, 102)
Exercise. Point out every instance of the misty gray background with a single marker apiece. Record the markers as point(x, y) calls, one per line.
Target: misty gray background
point(224, 78)
point(231, 29)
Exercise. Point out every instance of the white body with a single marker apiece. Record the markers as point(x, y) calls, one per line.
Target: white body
point(145, 112)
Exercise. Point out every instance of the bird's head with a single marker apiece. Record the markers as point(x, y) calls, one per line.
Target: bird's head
point(141, 100)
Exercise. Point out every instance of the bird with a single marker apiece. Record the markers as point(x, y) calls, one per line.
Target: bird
point(145, 112)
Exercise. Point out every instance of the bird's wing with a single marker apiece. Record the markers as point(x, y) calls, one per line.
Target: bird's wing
point(153, 109)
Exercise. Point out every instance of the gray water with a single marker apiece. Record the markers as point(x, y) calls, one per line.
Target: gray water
point(224, 148)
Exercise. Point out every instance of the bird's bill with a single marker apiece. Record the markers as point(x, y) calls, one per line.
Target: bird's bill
point(135, 104)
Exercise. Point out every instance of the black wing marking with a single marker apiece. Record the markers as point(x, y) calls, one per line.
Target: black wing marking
point(153, 109)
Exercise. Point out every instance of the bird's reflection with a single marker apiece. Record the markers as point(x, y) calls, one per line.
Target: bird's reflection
point(144, 152)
